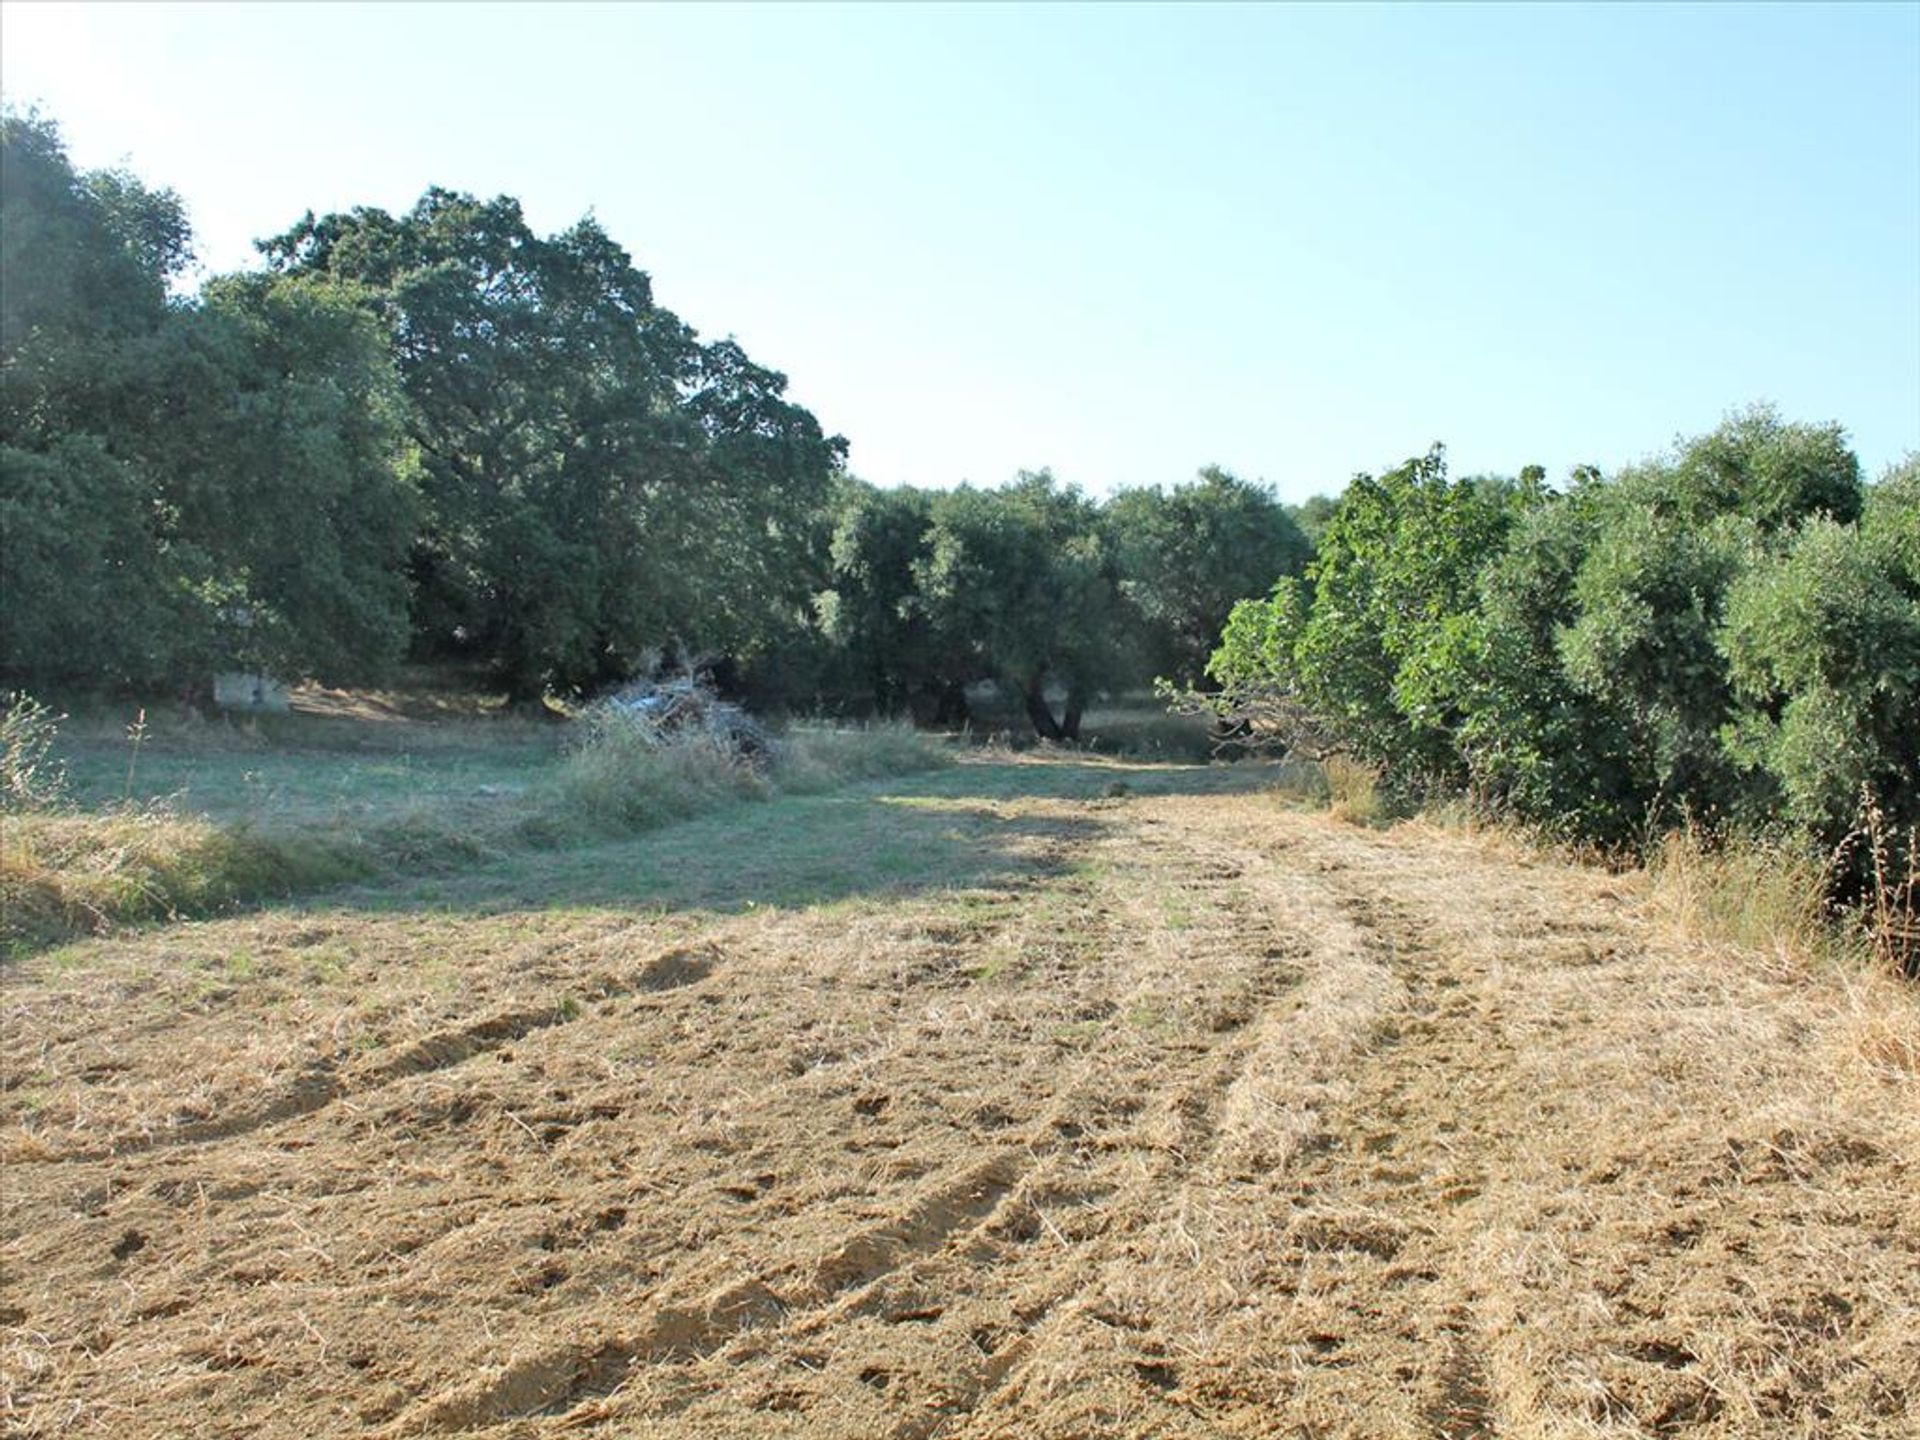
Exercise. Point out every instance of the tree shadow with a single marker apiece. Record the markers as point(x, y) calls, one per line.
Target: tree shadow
point(958, 829)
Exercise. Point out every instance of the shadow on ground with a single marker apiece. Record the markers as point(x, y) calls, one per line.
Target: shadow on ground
point(980, 824)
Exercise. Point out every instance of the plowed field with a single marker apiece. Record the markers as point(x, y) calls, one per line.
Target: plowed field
point(1025, 1099)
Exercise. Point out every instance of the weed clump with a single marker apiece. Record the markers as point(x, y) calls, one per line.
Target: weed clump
point(65, 873)
point(822, 757)
point(619, 776)
point(30, 778)
point(1354, 792)
point(1758, 895)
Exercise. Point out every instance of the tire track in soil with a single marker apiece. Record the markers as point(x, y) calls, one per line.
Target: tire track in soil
point(1337, 1204)
point(1176, 1140)
point(1221, 1172)
point(1425, 1146)
point(942, 1269)
point(560, 1381)
point(324, 1082)
point(1179, 1106)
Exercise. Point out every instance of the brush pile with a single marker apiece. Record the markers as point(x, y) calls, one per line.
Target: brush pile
point(662, 713)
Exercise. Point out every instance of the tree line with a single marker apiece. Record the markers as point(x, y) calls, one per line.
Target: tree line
point(442, 436)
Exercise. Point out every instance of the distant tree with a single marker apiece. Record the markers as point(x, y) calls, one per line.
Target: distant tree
point(80, 319)
point(1018, 585)
point(1312, 515)
point(871, 608)
point(88, 256)
point(1187, 556)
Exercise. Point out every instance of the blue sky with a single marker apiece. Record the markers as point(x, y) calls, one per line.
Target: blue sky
point(1123, 242)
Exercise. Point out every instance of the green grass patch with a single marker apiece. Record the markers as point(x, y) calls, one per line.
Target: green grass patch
point(275, 825)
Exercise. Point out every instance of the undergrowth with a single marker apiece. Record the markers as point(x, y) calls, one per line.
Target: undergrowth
point(1759, 895)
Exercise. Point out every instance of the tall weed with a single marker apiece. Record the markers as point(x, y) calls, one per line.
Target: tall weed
point(1763, 896)
point(30, 778)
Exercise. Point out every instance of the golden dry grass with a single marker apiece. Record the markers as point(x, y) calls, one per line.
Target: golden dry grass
point(1046, 1098)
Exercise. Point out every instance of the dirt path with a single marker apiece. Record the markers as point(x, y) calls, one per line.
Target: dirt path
point(1197, 1116)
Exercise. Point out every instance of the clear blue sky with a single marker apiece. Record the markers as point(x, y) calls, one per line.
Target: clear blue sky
point(1128, 241)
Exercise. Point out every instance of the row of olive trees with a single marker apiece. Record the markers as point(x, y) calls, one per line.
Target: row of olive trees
point(1730, 633)
point(438, 432)
point(1042, 591)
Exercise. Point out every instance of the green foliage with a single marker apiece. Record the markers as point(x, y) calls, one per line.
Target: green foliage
point(1647, 602)
point(184, 486)
point(1312, 514)
point(1387, 630)
point(1776, 474)
point(598, 483)
point(84, 329)
point(306, 490)
point(880, 540)
point(1730, 633)
point(1890, 522)
point(1823, 642)
point(1187, 556)
point(932, 593)
point(1534, 742)
point(1018, 585)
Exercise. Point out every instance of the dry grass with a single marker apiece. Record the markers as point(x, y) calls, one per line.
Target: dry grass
point(1354, 792)
point(64, 874)
point(1761, 899)
point(1059, 1099)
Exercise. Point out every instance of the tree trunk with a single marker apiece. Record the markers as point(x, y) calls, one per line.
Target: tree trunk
point(952, 710)
point(1076, 707)
point(1039, 712)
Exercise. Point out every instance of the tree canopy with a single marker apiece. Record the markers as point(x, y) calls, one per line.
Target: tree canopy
point(597, 482)
point(184, 485)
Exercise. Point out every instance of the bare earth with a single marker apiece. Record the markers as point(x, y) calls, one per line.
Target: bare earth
point(948, 1108)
